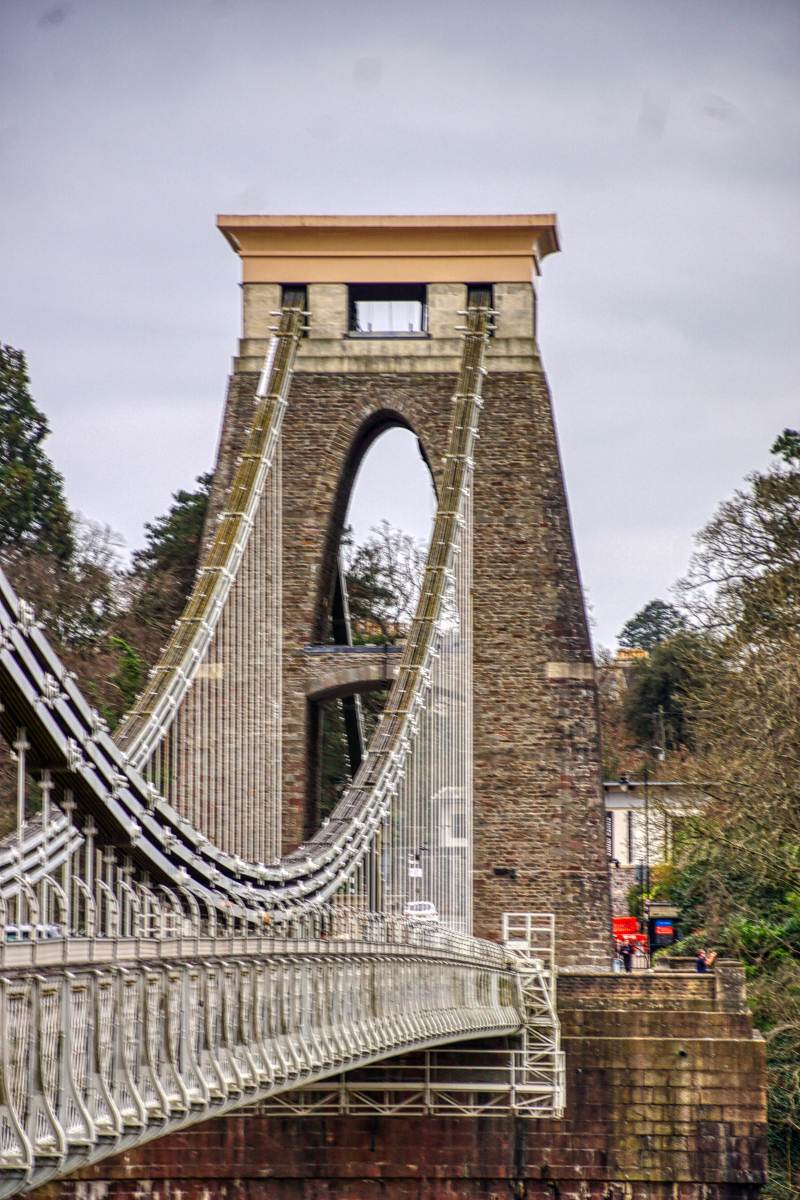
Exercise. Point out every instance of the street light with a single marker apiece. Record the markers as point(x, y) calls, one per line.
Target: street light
point(646, 898)
point(415, 868)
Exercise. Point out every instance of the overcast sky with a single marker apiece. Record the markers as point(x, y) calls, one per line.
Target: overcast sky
point(664, 135)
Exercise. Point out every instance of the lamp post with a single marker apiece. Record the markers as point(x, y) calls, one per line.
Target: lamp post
point(416, 870)
point(646, 774)
point(646, 899)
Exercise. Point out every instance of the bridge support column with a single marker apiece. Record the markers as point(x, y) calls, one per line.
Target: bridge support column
point(539, 837)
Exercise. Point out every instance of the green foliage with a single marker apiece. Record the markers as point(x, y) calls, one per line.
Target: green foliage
point(787, 446)
point(335, 764)
point(656, 700)
point(661, 880)
point(653, 624)
point(737, 881)
point(164, 571)
point(635, 896)
point(33, 512)
point(173, 541)
point(129, 676)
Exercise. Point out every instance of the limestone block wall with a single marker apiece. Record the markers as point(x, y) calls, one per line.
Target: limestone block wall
point(445, 302)
point(328, 306)
point(327, 303)
point(621, 880)
point(260, 302)
point(515, 305)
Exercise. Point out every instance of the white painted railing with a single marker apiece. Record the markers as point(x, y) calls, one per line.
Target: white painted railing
point(147, 1036)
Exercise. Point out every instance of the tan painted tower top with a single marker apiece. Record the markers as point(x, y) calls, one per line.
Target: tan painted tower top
point(351, 249)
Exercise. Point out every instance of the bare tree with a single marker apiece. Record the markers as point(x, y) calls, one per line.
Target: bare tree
point(384, 575)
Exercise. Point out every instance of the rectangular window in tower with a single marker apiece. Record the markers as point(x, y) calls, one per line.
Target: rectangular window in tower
point(459, 828)
point(388, 310)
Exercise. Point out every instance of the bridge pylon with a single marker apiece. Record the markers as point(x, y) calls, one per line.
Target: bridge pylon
point(385, 298)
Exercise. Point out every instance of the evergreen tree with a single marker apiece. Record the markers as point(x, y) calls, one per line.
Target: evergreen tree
point(655, 702)
point(33, 511)
point(652, 625)
point(164, 571)
point(173, 541)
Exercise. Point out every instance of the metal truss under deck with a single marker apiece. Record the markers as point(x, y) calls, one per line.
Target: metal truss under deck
point(522, 1075)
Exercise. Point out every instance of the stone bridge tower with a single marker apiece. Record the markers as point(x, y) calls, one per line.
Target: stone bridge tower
point(384, 296)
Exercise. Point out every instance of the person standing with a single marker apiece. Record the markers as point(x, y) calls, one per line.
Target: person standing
point(626, 954)
point(704, 961)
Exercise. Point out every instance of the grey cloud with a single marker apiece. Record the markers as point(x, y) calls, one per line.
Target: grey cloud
point(666, 325)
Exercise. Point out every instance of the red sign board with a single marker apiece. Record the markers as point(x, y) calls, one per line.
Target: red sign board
point(625, 925)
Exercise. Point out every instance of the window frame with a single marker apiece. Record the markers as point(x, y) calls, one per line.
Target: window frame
point(387, 293)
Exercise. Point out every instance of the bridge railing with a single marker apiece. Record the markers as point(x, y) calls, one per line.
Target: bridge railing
point(53, 914)
point(99, 1055)
point(523, 1075)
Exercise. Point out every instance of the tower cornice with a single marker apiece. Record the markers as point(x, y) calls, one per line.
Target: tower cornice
point(391, 249)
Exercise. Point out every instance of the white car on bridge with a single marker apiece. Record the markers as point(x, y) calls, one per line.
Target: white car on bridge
point(421, 910)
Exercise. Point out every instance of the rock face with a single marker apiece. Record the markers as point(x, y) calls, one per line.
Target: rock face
point(665, 1098)
point(538, 805)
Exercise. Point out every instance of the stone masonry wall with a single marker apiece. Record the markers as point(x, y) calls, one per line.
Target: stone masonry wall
point(621, 880)
point(538, 807)
point(538, 803)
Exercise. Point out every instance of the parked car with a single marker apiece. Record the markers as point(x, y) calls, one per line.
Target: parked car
point(421, 910)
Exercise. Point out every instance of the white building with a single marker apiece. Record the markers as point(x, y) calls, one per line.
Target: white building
point(641, 820)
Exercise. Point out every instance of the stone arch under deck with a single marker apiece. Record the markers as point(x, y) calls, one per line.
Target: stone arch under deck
point(334, 674)
point(368, 673)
